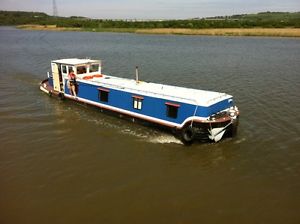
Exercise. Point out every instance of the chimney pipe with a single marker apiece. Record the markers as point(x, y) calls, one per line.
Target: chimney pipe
point(137, 74)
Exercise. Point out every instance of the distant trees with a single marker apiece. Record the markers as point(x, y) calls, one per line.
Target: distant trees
point(266, 19)
point(18, 17)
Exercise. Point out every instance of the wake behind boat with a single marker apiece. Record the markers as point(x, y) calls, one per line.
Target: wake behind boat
point(190, 114)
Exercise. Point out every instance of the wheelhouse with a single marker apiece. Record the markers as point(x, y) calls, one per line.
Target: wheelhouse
point(81, 67)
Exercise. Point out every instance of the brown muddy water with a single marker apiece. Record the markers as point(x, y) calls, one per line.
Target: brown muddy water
point(62, 162)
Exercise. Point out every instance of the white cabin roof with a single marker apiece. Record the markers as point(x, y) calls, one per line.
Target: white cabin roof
point(172, 93)
point(75, 61)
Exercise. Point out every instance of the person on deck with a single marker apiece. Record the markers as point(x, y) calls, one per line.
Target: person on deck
point(72, 82)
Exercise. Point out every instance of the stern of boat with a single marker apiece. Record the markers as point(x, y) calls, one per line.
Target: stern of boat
point(47, 87)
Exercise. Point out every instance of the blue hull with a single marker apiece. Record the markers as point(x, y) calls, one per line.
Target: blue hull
point(153, 111)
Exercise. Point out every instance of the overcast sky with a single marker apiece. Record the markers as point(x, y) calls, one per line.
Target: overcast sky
point(151, 9)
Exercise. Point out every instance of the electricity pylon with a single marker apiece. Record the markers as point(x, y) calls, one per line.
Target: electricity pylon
point(55, 13)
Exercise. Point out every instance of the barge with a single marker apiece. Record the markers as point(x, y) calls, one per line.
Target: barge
point(190, 114)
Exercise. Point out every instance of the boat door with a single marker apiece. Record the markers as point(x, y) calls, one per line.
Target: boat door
point(57, 77)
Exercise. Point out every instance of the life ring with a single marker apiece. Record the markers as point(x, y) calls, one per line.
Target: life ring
point(92, 76)
point(88, 77)
point(97, 76)
point(188, 135)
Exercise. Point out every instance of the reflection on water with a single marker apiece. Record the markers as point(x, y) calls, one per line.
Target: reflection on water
point(62, 162)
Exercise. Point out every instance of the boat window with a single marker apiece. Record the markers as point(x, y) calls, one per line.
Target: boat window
point(172, 110)
point(137, 102)
point(81, 70)
point(103, 94)
point(64, 69)
point(70, 68)
point(94, 68)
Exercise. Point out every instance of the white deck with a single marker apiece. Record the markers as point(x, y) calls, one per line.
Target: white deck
point(173, 93)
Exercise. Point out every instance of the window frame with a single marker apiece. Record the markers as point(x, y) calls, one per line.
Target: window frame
point(92, 71)
point(103, 95)
point(70, 68)
point(64, 69)
point(137, 102)
point(172, 110)
point(84, 69)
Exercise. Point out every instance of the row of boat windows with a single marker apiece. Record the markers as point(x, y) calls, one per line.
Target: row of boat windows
point(80, 69)
point(137, 103)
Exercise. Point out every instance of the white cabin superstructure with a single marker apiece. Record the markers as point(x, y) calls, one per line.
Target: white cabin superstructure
point(81, 67)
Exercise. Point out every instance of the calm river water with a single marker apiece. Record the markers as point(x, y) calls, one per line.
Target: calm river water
point(62, 162)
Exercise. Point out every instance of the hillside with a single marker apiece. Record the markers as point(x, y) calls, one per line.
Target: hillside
point(263, 20)
point(19, 17)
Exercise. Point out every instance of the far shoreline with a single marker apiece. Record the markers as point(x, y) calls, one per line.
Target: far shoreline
point(263, 32)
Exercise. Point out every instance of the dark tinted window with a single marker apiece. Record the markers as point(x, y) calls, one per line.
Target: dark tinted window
point(64, 69)
point(94, 68)
point(172, 111)
point(103, 95)
point(81, 69)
